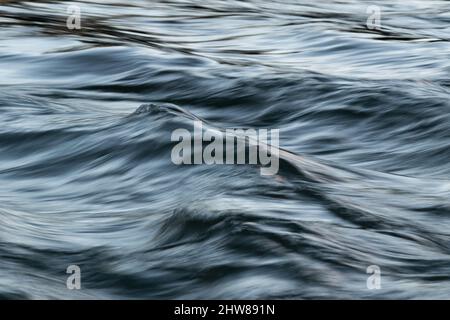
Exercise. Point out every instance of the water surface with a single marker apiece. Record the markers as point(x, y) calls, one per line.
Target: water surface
point(364, 117)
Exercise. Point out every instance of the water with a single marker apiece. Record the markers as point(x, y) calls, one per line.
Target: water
point(364, 169)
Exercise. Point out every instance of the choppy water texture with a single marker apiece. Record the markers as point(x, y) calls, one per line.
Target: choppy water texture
point(364, 119)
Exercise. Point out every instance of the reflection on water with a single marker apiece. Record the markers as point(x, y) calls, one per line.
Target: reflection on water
point(364, 126)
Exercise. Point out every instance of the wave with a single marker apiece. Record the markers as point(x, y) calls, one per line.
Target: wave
point(87, 178)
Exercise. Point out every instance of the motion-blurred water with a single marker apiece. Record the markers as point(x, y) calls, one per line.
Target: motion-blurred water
point(364, 117)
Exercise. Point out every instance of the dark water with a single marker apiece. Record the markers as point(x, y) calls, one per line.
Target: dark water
point(363, 114)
